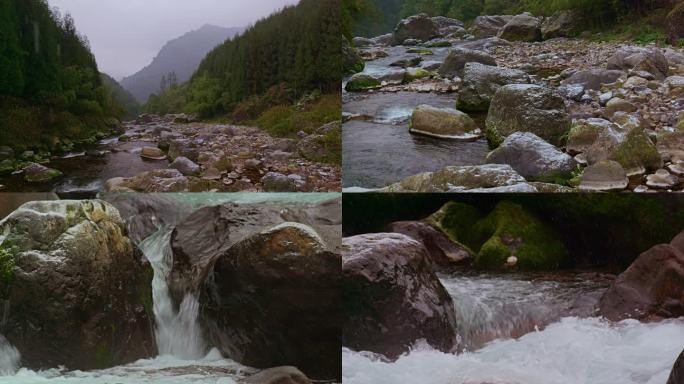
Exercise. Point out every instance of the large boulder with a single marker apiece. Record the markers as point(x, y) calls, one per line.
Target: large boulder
point(351, 61)
point(651, 288)
point(444, 123)
point(674, 24)
point(489, 26)
point(560, 24)
point(457, 59)
point(584, 134)
point(677, 374)
point(480, 83)
point(633, 149)
point(419, 27)
point(38, 173)
point(442, 250)
point(392, 298)
point(606, 175)
point(533, 158)
point(269, 278)
point(593, 78)
point(524, 27)
point(77, 293)
point(185, 166)
point(459, 179)
point(651, 60)
point(527, 108)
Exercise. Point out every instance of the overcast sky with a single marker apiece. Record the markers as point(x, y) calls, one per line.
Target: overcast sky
point(125, 35)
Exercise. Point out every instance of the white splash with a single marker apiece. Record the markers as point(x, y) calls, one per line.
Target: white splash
point(178, 332)
point(9, 357)
point(573, 350)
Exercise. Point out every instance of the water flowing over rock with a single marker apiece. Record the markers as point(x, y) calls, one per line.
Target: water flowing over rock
point(532, 157)
point(269, 278)
point(443, 123)
point(527, 108)
point(480, 83)
point(651, 288)
point(442, 250)
point(9, 358)
point(71, 257)
point(392, 298)
point(460, 179)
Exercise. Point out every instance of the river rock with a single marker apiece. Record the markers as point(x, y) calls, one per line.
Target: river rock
point(459, 179)
point(442, 250)
point(443, 23)
point(532, 157)
point(184, 148)
point(671, 144)
point(606, 175)
point(584, 134)
point(37, 173)
point(674, 25)
point(617, 104)
point(158, 180)
point(278, 375)
point(186, 166)
point(560, 24)
point(152, 153)
point(75, 274)
point(313, 147)
point(457, 59)
point(524, 27)
point(651, 288)
point(592, 79)
point(351, 61)
point(662, 179)
point(444, 123)
point(419, 27)
point(633, 149)
point(277, 182)
point(480, 83)
point(651, 60)
point(677, 374)
point(489, 26)
point(269, 278)
point(392, 298)
point(527, 108)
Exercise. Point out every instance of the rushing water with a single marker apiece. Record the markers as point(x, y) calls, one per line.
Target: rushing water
point(521, 331)
point(9, 357)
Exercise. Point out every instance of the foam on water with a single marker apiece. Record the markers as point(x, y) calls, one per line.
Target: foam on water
point(573, 350)
point(9, 357)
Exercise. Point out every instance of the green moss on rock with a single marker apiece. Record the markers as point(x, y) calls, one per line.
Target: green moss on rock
point(494, 138)
point(456, 220)
point(8, 254)
point(362, 83)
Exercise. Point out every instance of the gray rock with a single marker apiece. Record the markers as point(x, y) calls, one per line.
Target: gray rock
point(532, 157)
point(459, 178)
point(560, 24)
point(489, 26)
point(419, 27)
point(278, 375)
point(480, 83)
point(459, 57)
point(444, 123)
point(651, 60)
point(277, 182)
point(186, 166)
point(592, 79)
point(524, 27)
point(585, 133)
point(362, 41)
point(572, 91)
point(37, 173)
point(606, 175)
point(662, 179)
point(527, 108)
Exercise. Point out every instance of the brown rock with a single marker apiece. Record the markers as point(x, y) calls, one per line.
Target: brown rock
point(441, 249)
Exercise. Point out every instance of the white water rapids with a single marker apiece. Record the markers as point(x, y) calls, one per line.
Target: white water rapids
point(492, 310)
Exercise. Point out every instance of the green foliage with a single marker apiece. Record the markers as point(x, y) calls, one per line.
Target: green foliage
point(118, 99)
point(8, 254)
point(48, 72)
point(287, 120)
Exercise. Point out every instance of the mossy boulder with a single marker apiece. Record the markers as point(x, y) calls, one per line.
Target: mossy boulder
point(509, 230)
point(37, 173)
point(362, 82)
point(416, 73)
point(480, 83)
point(584, 134)
point(444, 123)
point(634, 150)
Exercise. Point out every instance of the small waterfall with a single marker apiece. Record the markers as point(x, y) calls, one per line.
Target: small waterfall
point(178, 332)
point(9, 357)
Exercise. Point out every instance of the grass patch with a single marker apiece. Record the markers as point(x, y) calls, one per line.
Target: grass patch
point(287, 120)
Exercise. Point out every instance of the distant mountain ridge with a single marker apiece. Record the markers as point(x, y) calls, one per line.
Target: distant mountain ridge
point(181, 56)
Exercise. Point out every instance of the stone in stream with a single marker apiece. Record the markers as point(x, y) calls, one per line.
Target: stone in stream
point(410, 61)
point(523, 27)
point(651, 60)
point(416, 74)
point(480, 83)
point(677, 374)
point(419, 27)
point(662, 179)
point(186, 166)
point(392, 298)
point(443, 123)
point(278, 375)
point(158, 180)
point(442, 250)
point(606, 175)
point(533, 158)
point(592, 79)
point(184, 148)
point(527, 108)
point(37, 173)
point(152, 153)
point(633, 149)
point(489, 26)
point(459, 179)
point(75, 274)
point(676, 168)
point(272, 277)
point(362, 82)
point(457, 59)
point(651, 288)
point(351, 61)
point(444, 23)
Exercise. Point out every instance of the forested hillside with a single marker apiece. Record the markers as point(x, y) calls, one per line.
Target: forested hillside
point(130, 108)
point(292, 54)
point(50, 86)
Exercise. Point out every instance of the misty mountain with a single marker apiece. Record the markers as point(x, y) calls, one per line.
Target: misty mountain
point(181, 56)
